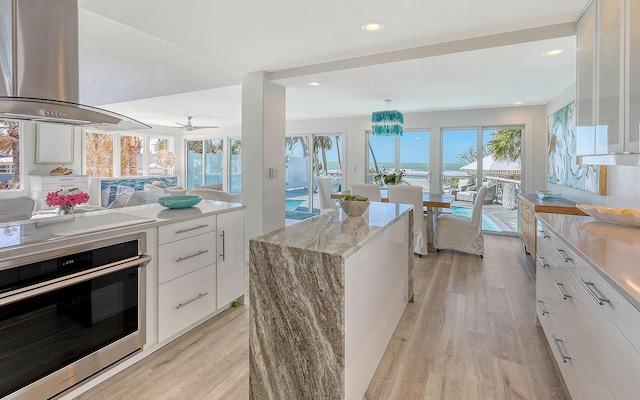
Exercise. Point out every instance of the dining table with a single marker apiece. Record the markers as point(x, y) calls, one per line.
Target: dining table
point(432, 203)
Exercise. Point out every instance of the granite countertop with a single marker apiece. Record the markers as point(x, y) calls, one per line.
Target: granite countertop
point(612, 250)
point(42, 234)
point(333, 232)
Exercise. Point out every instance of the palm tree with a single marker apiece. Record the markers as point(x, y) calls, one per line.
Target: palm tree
point(10, 144)
point(129, 147)
point(322, 143)
point(338, 151)
point(505, 145)
point(471, 154)
point(99, 153)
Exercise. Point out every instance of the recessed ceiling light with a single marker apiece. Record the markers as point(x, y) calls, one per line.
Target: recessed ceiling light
point(372, 26)
point(518, 103)
point(216, 114)
point(552, 52)
point(314, 83)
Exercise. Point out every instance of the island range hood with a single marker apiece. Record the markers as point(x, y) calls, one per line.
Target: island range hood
point(39, 68)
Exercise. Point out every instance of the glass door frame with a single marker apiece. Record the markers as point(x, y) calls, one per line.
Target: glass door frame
point(310, 162)
point(226, 159)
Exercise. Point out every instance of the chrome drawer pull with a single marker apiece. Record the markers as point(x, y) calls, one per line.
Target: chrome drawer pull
point(562, 293)
point(540, 307)
point(191, 229)
point(542, 234)
point(200, 295)
point(542, 262)
point(562, 255)
point(593, 294)
point(557, 341)
point(222, 254)
point(192, 255)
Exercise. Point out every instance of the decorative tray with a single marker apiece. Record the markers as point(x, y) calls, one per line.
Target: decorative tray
point(615, 215)
point(179, 201)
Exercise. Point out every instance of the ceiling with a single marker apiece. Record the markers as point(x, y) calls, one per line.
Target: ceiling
point(432, 54)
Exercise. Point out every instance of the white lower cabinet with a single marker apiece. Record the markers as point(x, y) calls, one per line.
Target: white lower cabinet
point(231, 269)
point(200, 269)
point(185, 300)
point(595, 358)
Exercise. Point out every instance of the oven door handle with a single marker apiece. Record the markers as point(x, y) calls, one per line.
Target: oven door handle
point(30, 291)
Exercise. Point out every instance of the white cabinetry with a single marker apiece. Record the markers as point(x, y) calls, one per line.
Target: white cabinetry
point(590, 327)
point(186, 274)
point(41, 185)
point(608, 83)
point(230, 265)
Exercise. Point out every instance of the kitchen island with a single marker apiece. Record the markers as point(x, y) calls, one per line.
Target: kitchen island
point(326, 296)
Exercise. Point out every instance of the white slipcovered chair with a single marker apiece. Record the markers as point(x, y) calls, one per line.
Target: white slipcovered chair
point(16, 209)
point(413, 195)
point(368, 190)
point(217, 195)
point(462, 233)
point(325, 187)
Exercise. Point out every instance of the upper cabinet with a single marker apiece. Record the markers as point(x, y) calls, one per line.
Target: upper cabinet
point(608, 83)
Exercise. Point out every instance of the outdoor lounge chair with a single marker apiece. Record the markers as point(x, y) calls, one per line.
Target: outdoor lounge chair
point(470, 194)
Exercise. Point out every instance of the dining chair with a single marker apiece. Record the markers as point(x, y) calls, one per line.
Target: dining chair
point(325, 187)
point(413, 195)
point(368, 190)
point(462, 233)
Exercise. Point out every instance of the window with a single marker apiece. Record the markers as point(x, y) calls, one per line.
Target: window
point(409, 152)
point(10, 159)
point(214, 162)
point(99, 154)
point(135, 152)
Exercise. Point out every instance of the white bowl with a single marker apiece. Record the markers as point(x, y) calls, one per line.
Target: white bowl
point(616, 215)
point(354, 208)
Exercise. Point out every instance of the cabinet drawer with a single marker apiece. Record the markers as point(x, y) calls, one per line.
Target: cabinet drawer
point(187, 255)
point(624, 315)
point(185, 229)
point(186, 300)
point(578, 370)
point(613, 355)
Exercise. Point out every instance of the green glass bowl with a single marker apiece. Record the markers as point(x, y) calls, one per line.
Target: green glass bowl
point(179, 201)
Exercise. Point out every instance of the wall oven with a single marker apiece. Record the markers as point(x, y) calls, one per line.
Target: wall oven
point(68, 314)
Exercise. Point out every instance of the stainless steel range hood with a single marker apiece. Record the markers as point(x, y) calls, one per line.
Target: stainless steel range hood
point(39, 66)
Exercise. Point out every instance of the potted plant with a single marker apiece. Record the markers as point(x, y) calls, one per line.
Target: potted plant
point(390, 177)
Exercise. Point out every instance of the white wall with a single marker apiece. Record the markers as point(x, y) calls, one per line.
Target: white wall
point(622, 188)
point(532, 118)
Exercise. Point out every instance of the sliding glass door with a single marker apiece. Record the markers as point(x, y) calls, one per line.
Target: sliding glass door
point(307, 158)
point(208, 160)
point(484, 156)
point(409, 152)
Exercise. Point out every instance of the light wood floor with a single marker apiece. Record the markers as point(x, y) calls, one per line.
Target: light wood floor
point(470, 334)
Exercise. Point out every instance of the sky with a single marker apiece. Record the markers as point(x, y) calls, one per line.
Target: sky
point(414, 146)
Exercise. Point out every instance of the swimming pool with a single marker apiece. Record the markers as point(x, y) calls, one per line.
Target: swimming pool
point(291, 205)
point(487, 223)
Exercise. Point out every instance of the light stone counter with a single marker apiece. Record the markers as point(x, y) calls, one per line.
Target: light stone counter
point(43, 234)
point(612, 250)
point(326, 295)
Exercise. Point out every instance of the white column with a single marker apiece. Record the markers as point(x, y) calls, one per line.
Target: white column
point(263, 153)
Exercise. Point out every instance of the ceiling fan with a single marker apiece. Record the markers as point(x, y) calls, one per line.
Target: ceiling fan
point(189, 127)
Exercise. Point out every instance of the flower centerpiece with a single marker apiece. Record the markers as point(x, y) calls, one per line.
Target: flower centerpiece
point(390, 177)
point(66, 200)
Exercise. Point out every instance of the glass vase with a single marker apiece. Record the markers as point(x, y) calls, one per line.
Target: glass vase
point(65, 209)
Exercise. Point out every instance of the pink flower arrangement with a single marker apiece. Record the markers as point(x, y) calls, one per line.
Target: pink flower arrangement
point(66, 198)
